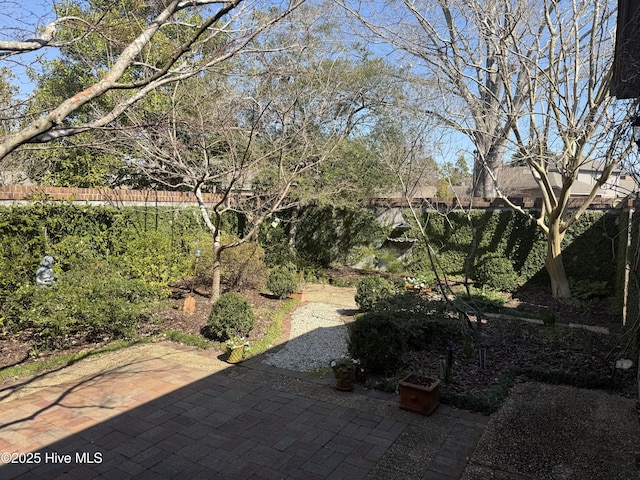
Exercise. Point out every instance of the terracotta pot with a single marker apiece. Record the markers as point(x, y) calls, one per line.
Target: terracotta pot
point(345, 381)
point(419, 394)
point(235, 354)
point(301, 296)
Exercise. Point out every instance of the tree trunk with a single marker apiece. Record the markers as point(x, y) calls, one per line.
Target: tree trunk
point(492, 151)
point(217, 252)
point(555, 267)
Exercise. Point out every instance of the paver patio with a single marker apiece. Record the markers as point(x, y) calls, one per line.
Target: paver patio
point(163, 411)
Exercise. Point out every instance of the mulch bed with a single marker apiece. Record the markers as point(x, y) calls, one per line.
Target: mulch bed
point(529, 350)
point(508, 344)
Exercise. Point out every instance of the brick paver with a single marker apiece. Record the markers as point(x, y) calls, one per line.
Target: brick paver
point(157, 418)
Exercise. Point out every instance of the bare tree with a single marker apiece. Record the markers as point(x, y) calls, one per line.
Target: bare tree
point(534, 77)
point(192, 35)
point(258, 138)
point(467, 51)
point(570, 118)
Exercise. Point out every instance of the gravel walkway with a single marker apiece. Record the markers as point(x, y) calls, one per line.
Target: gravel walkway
point(318, 335)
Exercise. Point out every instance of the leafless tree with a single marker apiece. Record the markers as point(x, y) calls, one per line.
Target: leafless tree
point(258, 138)
point(466, 50)
point(230, 26)
point(534, 79)
point(570, 118)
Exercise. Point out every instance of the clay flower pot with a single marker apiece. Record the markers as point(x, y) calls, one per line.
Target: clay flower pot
point(300, 296)
point(419, 394)
point(345, 370)
point(346, 381)
point(235, 354)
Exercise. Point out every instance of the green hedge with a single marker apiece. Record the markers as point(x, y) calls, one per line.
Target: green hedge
point(110, 264)
point(588, 246)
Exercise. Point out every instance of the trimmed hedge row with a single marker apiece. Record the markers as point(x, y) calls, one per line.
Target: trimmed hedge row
point(589, 246)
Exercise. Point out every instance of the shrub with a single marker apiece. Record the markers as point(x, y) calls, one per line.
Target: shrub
point(231, 315)
point(452, 262)
point(151, 256)
point(371, 290)
point(282, 282)
point(497, 273)
point(243, 267)
point(92, 303)
point(378, 340)
point(426, 322)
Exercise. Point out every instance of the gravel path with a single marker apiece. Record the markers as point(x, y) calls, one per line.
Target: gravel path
point(318, 335)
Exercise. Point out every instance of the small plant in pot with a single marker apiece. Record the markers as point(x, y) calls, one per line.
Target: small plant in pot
point(419, 393)
point(235, 349)
point(346, 371)
point(231, 319)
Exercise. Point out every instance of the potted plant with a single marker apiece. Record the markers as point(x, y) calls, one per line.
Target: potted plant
point(419, 393)
point(235, 349)
point(345, 370)
point(418, 284)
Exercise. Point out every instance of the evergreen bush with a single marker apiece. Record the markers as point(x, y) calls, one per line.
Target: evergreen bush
point(371, 290)
point(497, 273)
point(378, 340)
point(282, 282)
point(231, 316)
point(93, 302)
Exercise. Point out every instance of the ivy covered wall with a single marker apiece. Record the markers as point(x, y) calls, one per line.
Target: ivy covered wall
point(589, 247)
point(322, 235)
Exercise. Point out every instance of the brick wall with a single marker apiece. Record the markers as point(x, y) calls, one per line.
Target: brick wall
point(10, 194)
point(599, 203)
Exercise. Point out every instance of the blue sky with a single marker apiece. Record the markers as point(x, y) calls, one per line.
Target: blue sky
point(20, 20)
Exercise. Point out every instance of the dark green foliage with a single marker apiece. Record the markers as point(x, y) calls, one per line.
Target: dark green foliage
point(510, 235)
point(401, 322)
point(274, 237)
point(326, 234)
point(153, 244)
point(425, 322)
point(93, 302)
point(371, 290)
point(549, 319)
point(231, 315)
point(282, 282)
point(497, 273)
point(378, 340)
point(111, 265)
point(486, 402)
point(451, 262)
point(585, 290)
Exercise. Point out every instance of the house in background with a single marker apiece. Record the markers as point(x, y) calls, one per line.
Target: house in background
point(518, 181)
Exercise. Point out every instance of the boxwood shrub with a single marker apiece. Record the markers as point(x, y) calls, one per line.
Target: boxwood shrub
point(231, 315)
point(371, 290)
point(378, 340)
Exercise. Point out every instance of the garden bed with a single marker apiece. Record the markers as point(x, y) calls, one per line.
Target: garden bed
point(513, 347)
point(18, 349)
point(509, 347)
